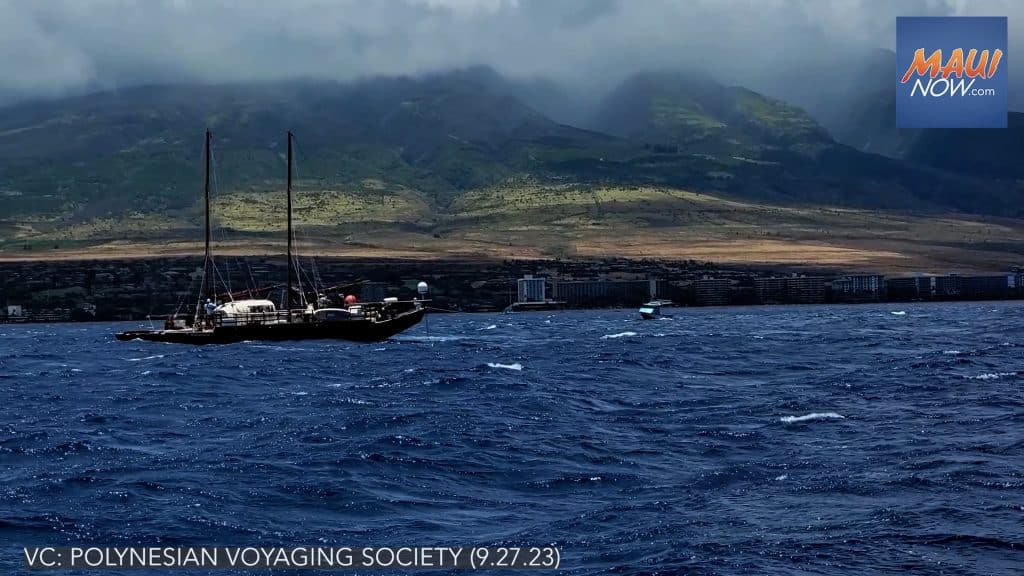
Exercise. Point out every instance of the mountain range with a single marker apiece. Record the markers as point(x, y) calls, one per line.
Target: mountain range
point(426, 146)
point(858, 107)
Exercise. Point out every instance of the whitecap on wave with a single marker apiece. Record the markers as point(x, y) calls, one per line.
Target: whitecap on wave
point(898, 313)
point(280, 348)
point(619, 335)
point(811, 417)
point(153, 357)
point(491, 327)
point(427, 338)
point(517, 366)
point(992, 376)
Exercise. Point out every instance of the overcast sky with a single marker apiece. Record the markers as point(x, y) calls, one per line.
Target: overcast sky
point(51, 47)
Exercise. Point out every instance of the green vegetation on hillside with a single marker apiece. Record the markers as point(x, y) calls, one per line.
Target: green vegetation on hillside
point(429, 154)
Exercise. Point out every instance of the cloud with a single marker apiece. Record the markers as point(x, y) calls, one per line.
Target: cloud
point(61, 46)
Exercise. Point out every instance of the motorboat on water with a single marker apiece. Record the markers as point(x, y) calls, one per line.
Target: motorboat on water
point(260, 319)
point(652, 310)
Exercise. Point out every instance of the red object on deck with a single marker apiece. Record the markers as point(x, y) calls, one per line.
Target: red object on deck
point(350, 299)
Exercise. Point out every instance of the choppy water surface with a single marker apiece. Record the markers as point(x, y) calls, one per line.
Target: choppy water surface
point(781, 440)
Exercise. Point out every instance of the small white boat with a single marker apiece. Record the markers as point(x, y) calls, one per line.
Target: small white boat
point(652, 309)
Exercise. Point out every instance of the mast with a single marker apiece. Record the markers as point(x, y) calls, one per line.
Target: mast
point(206, 193)
point(207, 289)
point(290, 263)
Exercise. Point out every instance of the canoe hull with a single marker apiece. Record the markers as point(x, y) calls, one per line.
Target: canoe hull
point(355, 330)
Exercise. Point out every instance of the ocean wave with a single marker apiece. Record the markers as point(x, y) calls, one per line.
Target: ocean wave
point(898, 313)
point(517, 366)
point(427, 338)
point(491, 327)
point(280, 348)
point(594, 434)
point(350, 400)
point(619, 335)
point(811, 417)
point(153, 357)
point(991, 376)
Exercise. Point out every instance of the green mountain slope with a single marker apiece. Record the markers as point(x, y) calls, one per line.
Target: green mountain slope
point(693, 111)
point(408, 152)
point(734, 140)
point(139, 149)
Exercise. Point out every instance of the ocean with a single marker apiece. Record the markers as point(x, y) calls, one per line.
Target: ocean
point(818, 440)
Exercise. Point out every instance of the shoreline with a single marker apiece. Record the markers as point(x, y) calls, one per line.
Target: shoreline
point(141, 287)
point(385, 257)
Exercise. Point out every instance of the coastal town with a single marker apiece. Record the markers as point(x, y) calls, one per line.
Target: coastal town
point(137, 289)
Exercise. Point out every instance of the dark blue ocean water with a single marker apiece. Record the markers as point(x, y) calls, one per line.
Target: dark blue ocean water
point(772, 440)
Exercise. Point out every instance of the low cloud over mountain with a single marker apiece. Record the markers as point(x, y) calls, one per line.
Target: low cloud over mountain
point(67, 46)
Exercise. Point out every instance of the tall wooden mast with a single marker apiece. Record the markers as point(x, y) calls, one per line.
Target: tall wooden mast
point(291, 271)
point(208, 284)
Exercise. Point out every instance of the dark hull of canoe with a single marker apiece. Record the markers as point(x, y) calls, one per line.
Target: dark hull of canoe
point(352, 330)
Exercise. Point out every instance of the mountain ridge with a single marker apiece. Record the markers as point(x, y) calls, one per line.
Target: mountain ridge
point(405, 150)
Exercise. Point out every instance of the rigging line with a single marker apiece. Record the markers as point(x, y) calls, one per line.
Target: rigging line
point(226, 278)
point(314, 275)
point(252, 278)
point(226, 282)
point(218, 232)
point(222, 234)
point(315, 280)
point(297, 263)
point(214, 229)
point(298, 283)
point(310, 280)
point(242, 264)
point(213, 261)
point(294, 265)
point(181, 297)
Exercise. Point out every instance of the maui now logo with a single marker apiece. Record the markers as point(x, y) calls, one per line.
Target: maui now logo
point(951, 72)
point(975, 66)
